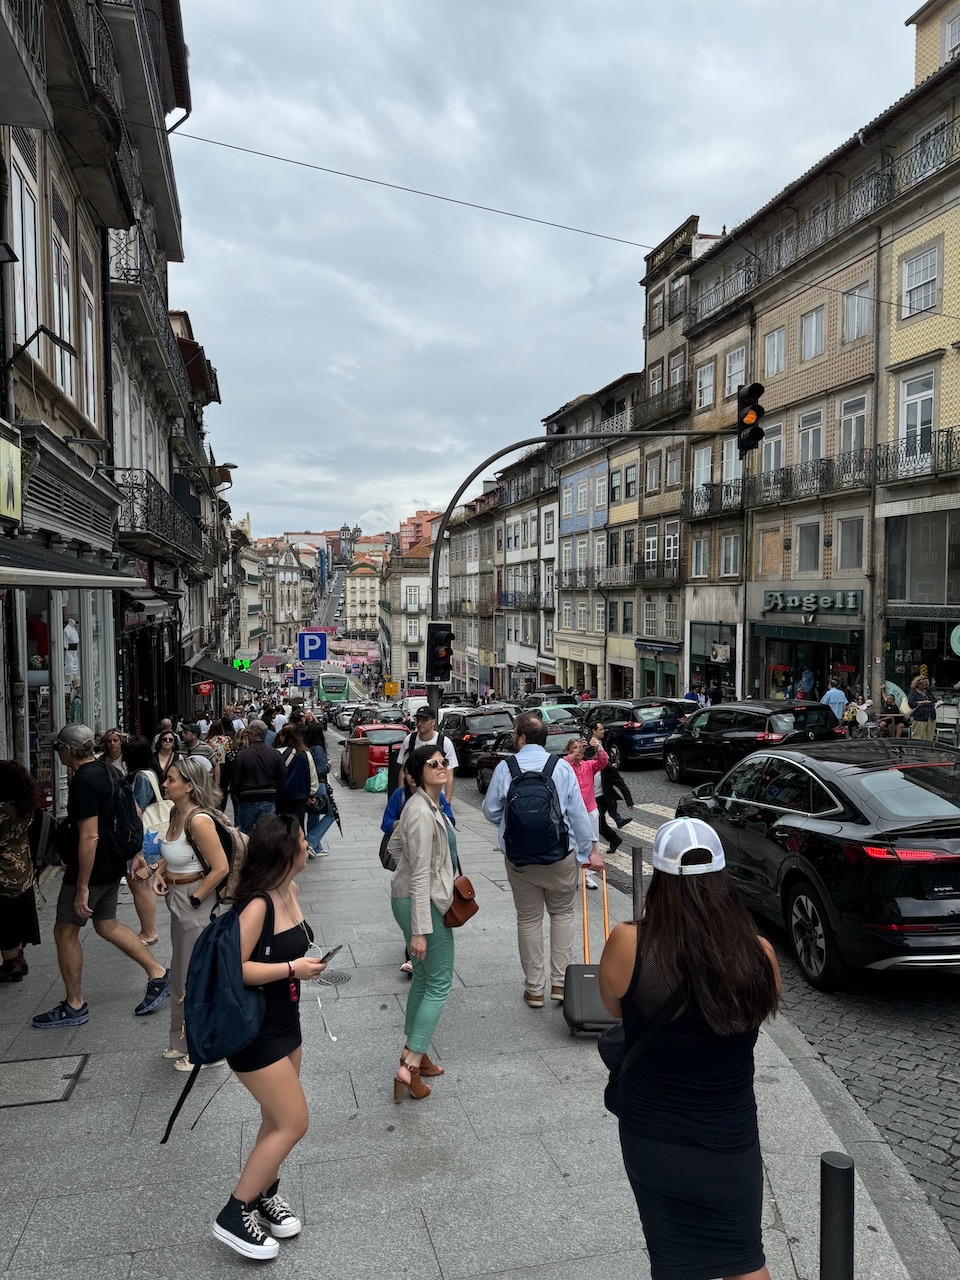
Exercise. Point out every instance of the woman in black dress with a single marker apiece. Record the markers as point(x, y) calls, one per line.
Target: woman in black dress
point(270, 1067)
point(688, 1116)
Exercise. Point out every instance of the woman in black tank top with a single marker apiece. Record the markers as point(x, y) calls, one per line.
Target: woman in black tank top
point(267, 899)
point(688, 1116)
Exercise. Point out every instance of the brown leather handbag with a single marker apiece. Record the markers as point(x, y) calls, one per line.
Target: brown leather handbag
point(464, 904)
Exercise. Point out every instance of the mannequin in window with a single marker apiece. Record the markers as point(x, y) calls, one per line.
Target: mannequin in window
point(71, 653)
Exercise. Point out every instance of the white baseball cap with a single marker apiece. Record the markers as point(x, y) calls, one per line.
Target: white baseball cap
point(677, 838)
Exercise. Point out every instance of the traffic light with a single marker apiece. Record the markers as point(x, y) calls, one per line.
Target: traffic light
point(749, 413)
point(439, 652)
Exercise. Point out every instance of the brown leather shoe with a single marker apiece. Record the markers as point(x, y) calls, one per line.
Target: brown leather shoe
point(534, 1001)
point(556, 993)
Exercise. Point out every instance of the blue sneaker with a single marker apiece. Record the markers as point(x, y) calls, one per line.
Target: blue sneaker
point(158, 989)
point(64, 1015)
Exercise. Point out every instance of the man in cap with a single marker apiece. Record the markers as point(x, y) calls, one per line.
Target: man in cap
point(192, 746)
point(91, 883)
point(426, 735)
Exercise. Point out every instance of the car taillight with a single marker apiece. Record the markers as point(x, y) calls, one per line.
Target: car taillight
point(467, 737)
point(902, 928)
point(884, 853)
point(634, 724)
point(839, 730)
point(770, 737)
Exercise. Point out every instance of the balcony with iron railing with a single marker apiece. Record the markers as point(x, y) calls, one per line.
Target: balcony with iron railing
point(652, 572)
point(810, 479)
point(711, 499)
point(23, 74)
point(136, 283)
point(920, 453)
point(519, 490)
point(917, 164)
point(578, 579)
point(463, 608)
point(151, 520)
point(671, 402)
point(519, 599)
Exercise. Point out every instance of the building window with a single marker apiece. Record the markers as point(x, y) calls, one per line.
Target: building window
point(678, 368)
point(705, 385)
point(628, 617)
point(599, 611)
point(413, 631)
point(566, 501)
point(735, 366)
point(853, 424)
point(808, 547)
point(548, 636)
point(651, 543)
point(581, 615)
point(600, 551)
point(581, 553)
point(548, 527)
point(812, 334)
point(629, 547)
point(678, 298)
point(702, 466)
point(567, 615)
point(614, 486)
point(771, 453)
point(600, 493)
point(700, 558)
point(62, 313)
point(88, 355)
point(613, 615)
point(499, 537)
point(566, 554)
point(810, 436)
point(649, 618)
point(654, 379)
point(916, 418)
point(25, 315)
point(930, 150)
point(613, 549)
point(856, 313)
point(652, 483)
point(674, 461)
point(630, 480)
point(582, 496)
point(656, 311)
point(850, 536)
point(732, 464)
point(775, 352)
point(952, 39)
point(671, 540)
point(413, 599)
point(671, 620)
point(730, 555)
point(920, 283)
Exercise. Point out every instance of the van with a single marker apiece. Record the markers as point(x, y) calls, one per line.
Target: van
point(409, 706)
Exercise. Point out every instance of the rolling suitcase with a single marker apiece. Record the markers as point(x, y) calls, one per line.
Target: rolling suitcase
point(582, 1007)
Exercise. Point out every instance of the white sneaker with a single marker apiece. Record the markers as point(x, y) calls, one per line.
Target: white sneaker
point(592, 881)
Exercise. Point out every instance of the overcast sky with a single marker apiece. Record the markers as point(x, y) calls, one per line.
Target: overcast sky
point(373, 346)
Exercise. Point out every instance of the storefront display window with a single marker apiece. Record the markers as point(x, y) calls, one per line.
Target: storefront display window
point(40, 711)
point(930, 648)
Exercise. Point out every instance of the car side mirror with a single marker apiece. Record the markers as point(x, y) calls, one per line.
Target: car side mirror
point(704, 791)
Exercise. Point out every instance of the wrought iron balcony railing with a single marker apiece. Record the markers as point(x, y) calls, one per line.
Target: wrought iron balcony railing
point(149, 514)
point(711, 499)
point(810, 479)
point(519, 599)
point(132, 263)
point(658, 571)
point(527, 487)
point(28, 15)
point(669, 403)
point(925, 452)
point(579, 579)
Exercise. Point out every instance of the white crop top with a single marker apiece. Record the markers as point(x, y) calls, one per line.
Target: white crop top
point(181, 859)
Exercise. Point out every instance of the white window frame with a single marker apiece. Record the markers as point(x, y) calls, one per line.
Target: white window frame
point(775, 352)
point(771, 449)
point(853, 425)
point(671, 620)
point(674, 468)
point(62, 313)
point(583, 496)
point(802, 540)
point(566, 500)
point(810, 436)
point(566, 554)
point(730, 555)
point(915, 428)
point(700, 557)
point(649, 618)
point(413, 599)
point(547, 636)
point(548, 526)
point(671, 540)
point(600, 492)
point(651, 543)
point(627, 611)
point(705, 384)
point(735, 365)
point(929, 153)
point(581, 553)
point(567, 613)
point(951, 38)
point(613, 616)
point(856, 313)
point(677, 365)
point(813, 333)
point(413, 631)
point(26, 289)
point(599, 615)
point(702, 466)
point(600, 551)
point(849, 527)
point(581, 615)
point(919, 283)
point(655, 379)
point(732, 463)
point(651, 482)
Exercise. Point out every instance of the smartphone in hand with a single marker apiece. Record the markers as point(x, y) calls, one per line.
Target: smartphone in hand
point(325, 959)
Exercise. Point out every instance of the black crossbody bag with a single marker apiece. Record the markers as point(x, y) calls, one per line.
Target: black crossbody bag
point(612, 1043)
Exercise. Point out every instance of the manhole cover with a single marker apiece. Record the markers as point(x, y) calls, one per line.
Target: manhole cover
point(333, 979)
point(33, 1080)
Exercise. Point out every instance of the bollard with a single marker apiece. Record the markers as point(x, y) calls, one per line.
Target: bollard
point(836, 1216)
point(637, 852)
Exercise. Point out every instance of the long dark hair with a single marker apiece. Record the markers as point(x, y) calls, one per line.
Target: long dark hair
point(136, 755)
point(19, 788)
point(702, 937)
point(290, 736)
point(271, 852)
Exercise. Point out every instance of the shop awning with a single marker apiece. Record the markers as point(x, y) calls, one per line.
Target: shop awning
point(652, 646)
point(220, 672)
point(27, 564)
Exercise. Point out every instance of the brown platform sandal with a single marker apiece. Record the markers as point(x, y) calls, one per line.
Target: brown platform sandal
point(407, 1080)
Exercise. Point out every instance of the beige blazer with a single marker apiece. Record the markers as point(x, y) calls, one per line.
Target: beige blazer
point(424, 871)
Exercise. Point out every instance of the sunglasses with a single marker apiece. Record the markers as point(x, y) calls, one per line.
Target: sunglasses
point(438, 764)
point(167, 739)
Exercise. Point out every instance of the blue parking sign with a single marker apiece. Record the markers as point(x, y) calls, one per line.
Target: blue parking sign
point(312, 646)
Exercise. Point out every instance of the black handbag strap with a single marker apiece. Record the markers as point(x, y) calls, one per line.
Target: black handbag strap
point(652, 1030)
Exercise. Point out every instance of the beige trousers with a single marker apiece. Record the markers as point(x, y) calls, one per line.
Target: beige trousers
point(535, 888)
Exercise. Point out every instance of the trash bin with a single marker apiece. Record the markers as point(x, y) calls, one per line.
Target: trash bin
point(393, 767)
point(359, 758)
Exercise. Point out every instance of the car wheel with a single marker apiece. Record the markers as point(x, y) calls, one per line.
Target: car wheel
point(811, 938)
point(673, 768)
point(481, 785)
point(613, 751)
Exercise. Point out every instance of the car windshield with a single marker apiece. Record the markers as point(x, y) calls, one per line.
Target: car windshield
point(492, 722)
point(556, 743)
point(383, 737)
point(645, 714)
point(921, 791)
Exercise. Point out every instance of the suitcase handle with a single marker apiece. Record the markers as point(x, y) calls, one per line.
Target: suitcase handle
point(606, 910)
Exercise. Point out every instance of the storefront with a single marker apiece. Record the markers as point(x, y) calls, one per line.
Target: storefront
point(658, 671)
point(714, 654)
point(799, 655)
point(621, 681)
point(923, 645)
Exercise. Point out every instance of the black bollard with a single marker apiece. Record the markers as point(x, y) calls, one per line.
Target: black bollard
point(637, 852)
point(836, 1216)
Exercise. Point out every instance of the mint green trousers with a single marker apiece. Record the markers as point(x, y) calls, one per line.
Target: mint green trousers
point(432, 977)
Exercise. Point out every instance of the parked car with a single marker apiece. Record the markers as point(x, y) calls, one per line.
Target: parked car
point(635, 729)
point(853, 846)
point(554, 698)
point(712, 740)
point(554, 714)
point(502, 746)
point(472, 729)
point(380, 737)
point(458, 699)
point(377, 715)
point(343, 714)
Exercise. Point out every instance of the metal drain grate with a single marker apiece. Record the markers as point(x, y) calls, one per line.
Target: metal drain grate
point(333, 979)
point(30, 1081)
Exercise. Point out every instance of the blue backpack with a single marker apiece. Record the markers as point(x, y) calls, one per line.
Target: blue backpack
point(222, 1015)
point(533, 829)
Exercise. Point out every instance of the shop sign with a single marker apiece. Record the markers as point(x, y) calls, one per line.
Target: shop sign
point(813, 602)
point(205, 688)
point(10, 505)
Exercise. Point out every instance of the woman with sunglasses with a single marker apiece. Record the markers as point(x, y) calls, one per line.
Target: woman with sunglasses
point(269, 1068)
point(165, 755)
point(425, 847)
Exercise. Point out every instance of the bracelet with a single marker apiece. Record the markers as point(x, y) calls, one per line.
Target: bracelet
point(293, 973)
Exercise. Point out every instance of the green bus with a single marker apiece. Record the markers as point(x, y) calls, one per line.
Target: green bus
point(333, 687)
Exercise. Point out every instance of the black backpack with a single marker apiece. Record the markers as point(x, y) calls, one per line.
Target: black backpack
point(533, 830)
point(121, 828)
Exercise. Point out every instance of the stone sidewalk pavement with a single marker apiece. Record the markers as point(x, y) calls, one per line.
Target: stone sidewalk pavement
point(511, 1168)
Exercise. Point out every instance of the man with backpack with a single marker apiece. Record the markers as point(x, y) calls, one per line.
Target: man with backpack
point(96, 843)
point(426, 735)
point(545, 834)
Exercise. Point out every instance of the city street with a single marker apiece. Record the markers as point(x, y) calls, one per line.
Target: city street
point(891, 1039)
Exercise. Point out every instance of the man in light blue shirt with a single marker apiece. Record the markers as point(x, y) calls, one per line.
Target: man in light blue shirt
point(544, 885)
point(836, 700)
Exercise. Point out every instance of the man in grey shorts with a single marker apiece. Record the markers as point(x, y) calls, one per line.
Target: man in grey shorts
point(91, 884)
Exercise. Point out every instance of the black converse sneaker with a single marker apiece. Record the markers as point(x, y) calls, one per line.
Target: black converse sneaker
point(274, 1211)
point(237, 1226)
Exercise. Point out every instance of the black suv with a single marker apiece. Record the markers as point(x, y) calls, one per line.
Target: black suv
point(634, 729)
point(711, 741)
point(472, 731)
